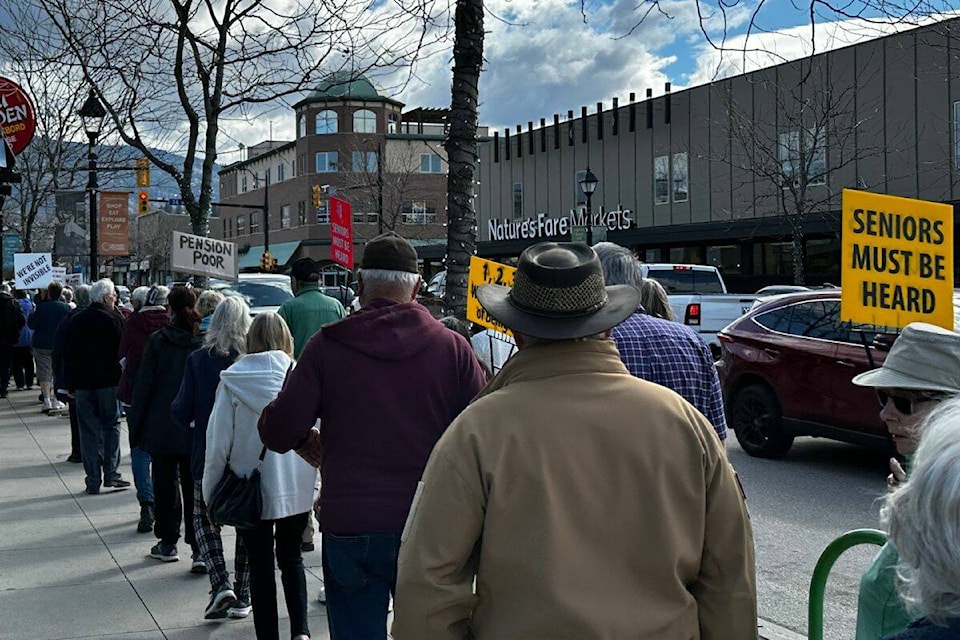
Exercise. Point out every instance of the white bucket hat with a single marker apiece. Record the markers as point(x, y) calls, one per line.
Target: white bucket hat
point(924, 358)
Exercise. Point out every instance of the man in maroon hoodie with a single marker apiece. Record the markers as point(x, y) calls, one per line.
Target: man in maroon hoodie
point(385, 383)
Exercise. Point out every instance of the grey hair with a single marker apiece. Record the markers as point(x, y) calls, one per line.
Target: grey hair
point(208, 301)
point(404, 278)
point(67, 294)
point(81, 296)
point(139, 295)
point(923, 518)
point(654, 299)
point(101, 289)
point(228, 327)
point(619, 264)
point(389, 280)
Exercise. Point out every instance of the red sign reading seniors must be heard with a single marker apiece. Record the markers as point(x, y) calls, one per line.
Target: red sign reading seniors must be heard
point(341, 232)
point(17, 118)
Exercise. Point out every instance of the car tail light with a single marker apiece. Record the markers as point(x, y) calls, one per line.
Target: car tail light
point(693, 314)
point(722, 337)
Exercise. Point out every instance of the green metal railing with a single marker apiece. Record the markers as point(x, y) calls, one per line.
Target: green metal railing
point(818, 584)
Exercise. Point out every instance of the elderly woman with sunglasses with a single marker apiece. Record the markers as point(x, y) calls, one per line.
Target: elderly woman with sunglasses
point(921, 370)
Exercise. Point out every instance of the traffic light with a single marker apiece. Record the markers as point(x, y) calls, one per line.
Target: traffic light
point(142, 166)
point(316, 196)
point(143, 203)
point(266, 261)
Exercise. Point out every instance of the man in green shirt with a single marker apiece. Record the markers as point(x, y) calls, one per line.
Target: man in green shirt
point(305, 314)
point(310, 309)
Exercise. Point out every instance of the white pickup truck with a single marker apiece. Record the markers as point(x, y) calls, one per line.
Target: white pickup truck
point(699, 298)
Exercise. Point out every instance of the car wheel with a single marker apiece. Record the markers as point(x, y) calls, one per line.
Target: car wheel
point(756, 419)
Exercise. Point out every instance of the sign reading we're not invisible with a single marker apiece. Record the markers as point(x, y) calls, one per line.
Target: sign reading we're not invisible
point(897, 261)
point(32, 270)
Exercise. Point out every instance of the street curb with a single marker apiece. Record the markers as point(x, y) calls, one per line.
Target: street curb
point(771, 631)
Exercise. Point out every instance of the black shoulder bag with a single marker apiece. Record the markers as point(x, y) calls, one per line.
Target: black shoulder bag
point(236, 501)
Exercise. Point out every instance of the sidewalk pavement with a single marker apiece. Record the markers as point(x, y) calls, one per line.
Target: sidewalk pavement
point(73, 566)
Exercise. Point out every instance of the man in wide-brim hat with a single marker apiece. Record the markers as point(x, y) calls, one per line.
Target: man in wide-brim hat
point(572, 499)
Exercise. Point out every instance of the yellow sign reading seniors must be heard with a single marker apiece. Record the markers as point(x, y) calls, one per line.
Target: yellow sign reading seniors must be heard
point(486, 272)
point(897, 260)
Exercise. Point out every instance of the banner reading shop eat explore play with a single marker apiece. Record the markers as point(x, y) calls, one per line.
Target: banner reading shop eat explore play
point(897, 261)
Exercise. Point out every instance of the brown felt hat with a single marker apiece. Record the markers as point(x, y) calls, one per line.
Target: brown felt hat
point(389, 251)
point(558, 293)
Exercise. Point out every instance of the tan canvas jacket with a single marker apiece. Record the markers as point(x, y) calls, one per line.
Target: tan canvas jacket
point(585, 504)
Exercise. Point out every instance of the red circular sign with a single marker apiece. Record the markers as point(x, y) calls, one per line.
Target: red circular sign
point(17, 117)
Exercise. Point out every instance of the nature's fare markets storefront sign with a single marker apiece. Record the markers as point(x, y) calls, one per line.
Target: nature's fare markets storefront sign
point(544, 226)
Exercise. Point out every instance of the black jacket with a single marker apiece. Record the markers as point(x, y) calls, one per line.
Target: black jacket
point(11, 318)
point(152, 427)
point(91, 344)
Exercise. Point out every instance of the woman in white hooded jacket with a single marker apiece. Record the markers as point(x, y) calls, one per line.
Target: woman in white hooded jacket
point(286, 481)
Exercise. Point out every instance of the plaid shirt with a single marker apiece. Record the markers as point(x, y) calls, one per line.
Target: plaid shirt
point(674, 356)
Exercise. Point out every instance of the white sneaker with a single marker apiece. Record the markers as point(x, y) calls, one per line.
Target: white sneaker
point(322, 594)
point(58, 406)
point(47, 405)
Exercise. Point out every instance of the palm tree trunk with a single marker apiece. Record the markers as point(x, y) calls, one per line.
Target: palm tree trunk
point(461, 148)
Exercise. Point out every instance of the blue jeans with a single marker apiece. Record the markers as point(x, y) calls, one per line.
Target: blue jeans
point(99, 424)
point(140, 462)
point(360, 574)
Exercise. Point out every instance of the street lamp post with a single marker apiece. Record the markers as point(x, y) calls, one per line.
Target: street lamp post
point(92, 114)
point(589, 184)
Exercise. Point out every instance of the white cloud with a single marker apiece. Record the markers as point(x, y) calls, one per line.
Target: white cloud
point(741, 54)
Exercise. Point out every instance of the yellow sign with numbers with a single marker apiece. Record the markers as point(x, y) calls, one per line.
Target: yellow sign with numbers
point(486, 272)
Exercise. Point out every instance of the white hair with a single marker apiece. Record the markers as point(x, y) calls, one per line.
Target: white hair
point(402, 278)
point(139, 294)
point(923, 518)
point(228, 327)
point(100, 289)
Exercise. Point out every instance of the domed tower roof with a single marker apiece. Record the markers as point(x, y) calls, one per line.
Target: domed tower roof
point(341, 86)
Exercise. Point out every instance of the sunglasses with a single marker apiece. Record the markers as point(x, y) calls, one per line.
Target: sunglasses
point(906, 406)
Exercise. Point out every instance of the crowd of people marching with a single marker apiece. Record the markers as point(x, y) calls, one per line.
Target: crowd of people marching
point(571, 481)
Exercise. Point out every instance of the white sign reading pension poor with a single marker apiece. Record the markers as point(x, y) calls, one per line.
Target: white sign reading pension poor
point(204, 256)
point(544, 226)
point(32, 270)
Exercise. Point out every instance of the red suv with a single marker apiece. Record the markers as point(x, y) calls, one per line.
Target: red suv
point(786, 368)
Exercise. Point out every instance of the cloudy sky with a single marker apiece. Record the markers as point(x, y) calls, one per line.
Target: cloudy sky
point(548, 56)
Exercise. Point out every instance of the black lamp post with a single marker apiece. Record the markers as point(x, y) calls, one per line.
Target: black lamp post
point(589, 184)
point(92, 114)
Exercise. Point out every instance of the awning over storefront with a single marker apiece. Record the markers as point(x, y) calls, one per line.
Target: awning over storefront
point(282, 251)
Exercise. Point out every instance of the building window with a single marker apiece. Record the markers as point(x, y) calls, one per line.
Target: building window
point(256, 181)
point(678, 170)
point(229, 227)
point(361, 217)
point(956, 133)
point(327, 122)
point(814, 156)
point(241, 225)
point(661, 180)
point(243, 183)
point(285, 216)
point(725, 257)
point(327, 162)
point(303, 125)
point(323, 213)
point(517, 200)
point(301, 213)
point(419, 212)
point(266, 176)
point(430, 163)
point(364, 121)
point(280, 172)
point(365, 161)
point(254, 222)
